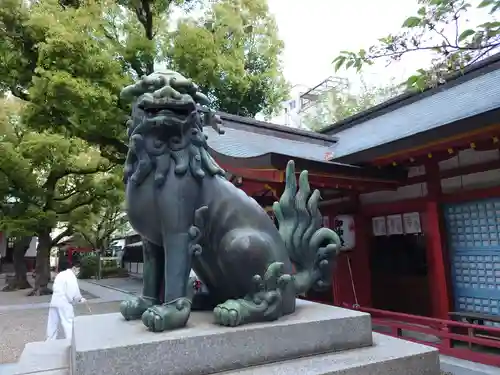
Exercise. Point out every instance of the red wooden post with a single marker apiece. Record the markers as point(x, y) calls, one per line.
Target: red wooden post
point(70, 255)
point(437, 262)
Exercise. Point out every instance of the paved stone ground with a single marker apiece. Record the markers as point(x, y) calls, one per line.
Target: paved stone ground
point(129, 285)
point(20, 326)
point(17, 328)
point(23, 319)
point(19, 297)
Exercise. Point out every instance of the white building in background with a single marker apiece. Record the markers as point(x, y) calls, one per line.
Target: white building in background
point(303, 99)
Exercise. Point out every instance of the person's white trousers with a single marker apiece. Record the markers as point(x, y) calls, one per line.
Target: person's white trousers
point(61, 314)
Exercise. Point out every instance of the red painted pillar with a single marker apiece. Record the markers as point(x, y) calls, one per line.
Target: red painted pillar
point(437, 262)
point(70, 254)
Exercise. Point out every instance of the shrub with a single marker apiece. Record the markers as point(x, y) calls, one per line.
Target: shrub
point(89, 265)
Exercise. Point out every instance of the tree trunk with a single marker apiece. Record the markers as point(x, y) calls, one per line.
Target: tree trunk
point(19, 281)
point(42, 268)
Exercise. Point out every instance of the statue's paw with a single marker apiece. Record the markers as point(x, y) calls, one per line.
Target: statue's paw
point(168, 316)
point(133, 308)
point(229, 313)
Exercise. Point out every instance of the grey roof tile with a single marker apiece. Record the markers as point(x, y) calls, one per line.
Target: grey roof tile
point(244, 144)
point(473, 97)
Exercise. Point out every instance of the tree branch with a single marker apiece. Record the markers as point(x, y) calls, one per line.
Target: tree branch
point(86, 238)
point(68, 231)
point(18, 93)
point(133, 64)
point(55, 176)
point(144, 14)
point(393, 54)
point(67, 196)
point(82, 203)
point(103, 141)
point(18, 189)
point(85, 172)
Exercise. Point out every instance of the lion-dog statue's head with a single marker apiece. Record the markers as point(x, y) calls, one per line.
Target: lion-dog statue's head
point(166, 127)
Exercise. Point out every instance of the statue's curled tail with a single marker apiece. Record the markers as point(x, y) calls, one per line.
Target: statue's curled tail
point(312, 248)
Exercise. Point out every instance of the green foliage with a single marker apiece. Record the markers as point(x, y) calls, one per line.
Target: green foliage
point(341, 102)
point(50, 179)
point(68, 60)
point(99, 228)
point(233, 53)
point(89, 265)
point(430, 30)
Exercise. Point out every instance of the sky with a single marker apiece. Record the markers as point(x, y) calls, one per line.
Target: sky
point(315, 31)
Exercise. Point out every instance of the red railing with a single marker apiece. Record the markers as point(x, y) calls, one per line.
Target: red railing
point(471, 342)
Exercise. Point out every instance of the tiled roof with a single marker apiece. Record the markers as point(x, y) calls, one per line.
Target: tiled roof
point(246, 144)
point(470, 98)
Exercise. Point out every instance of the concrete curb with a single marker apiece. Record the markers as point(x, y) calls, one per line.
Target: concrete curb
point(461, 367)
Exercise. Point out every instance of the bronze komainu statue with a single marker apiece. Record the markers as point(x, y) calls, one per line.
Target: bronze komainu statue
point(191, 217)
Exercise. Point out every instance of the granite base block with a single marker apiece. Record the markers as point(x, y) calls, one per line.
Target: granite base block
point(44, 356)
point(107, 344)
point(387, 356)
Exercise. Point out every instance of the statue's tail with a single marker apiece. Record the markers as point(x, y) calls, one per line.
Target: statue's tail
point(312, 248)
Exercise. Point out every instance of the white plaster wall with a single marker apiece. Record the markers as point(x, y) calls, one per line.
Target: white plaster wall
point(449, 185)
point(469, 157)
point(471, 181)
point(404, 192)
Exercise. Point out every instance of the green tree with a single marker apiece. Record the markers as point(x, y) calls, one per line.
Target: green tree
point(439, 27)
point(51, 180)
point(69, 59)
point(342, 102)
point(233, 53)
point(99, 228)
point(10, 203)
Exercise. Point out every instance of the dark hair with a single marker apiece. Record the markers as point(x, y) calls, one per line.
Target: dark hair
point(63, 265)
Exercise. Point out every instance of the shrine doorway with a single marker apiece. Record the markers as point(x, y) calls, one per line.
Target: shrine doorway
point(399, 274)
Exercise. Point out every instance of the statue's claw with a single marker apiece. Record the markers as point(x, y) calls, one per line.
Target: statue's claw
point(133, 308)
point(265, 304)
point(229, 313)
point(168, 316)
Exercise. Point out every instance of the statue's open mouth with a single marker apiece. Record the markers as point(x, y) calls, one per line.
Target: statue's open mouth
point(153, 106)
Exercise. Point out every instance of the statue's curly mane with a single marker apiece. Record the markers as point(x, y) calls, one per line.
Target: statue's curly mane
point(172, 139)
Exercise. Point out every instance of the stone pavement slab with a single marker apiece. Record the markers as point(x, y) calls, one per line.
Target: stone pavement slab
point(18, 328)
point(457, 366)
point(98, 293)
point(43, 356)
point(124, 285)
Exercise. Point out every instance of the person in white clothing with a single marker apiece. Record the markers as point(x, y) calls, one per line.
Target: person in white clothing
point(65, 293)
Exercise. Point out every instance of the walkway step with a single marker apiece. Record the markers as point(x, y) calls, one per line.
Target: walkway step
point(43, 356)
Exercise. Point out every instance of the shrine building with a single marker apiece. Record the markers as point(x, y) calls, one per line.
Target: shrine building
point(413, 188)
point(413, 184)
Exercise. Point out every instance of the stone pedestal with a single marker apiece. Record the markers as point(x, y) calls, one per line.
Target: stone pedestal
point(316, 340)
point(106, 344)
